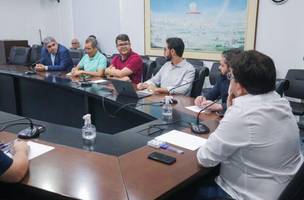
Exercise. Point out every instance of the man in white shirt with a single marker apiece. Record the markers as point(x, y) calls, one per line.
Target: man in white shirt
point(176, 75)
point(257, 142)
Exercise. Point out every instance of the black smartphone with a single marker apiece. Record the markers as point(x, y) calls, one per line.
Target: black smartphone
point(163, 158)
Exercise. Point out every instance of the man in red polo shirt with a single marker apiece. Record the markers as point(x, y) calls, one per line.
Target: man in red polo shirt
point(128, 65)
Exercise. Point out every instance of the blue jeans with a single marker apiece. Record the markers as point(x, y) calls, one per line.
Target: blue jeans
point(210, 190)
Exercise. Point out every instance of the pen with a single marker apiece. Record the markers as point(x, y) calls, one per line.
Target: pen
point(171, 148)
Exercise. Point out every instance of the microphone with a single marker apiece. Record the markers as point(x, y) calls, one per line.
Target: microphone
point(198, 127)
point(174, 101)
point(32, 131)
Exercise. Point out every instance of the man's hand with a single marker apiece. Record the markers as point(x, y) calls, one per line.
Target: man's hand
point(199, 101)
point(110, 71)
point(77, 72)
point(20, 146)
point(40, 68)
point(159, 91)
point(142, 86)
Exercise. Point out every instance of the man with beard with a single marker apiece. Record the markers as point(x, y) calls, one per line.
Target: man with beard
point(173, 73)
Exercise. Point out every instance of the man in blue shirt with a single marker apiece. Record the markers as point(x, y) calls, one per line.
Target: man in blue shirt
point(220, 89)
point(14, 169)
point(54, 57)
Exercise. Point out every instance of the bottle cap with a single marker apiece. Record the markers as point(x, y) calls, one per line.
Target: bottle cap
point(168, 99)
point(87, 119)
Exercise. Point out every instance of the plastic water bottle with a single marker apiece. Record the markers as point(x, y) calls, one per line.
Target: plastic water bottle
point(167, 109)
point(88, 133)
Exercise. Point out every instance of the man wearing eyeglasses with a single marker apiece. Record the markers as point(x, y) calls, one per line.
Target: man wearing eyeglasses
point(128, 65)
point(54, 57)
point(220, 89)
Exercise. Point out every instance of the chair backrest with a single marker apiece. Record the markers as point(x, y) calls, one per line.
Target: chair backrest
point(296, 83)
point(214, 73)
point(76, 55)
point(195, 62)
point(295, 189)
point(281, 86)
point(35, 53)
point(159, 62)
point(19, 55)
point(149, 67)
point(200, 74)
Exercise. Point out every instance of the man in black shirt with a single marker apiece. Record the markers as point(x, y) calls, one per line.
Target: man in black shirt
point(220, 89)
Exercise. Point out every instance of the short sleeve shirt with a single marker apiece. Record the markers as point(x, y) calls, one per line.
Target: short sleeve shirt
point(5, 162)
point(93, 64)
point(133, 62)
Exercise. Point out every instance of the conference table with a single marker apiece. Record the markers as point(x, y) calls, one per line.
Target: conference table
point(118, 167)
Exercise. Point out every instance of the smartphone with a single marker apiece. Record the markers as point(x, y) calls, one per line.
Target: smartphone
point(163, 158)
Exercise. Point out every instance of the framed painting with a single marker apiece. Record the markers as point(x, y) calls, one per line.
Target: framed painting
point(207, 27)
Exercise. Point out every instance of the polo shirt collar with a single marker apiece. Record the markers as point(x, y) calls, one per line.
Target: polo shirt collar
point(180, 64)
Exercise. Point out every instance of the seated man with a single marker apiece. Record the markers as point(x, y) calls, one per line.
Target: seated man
point(92, 63)
point(173, 73)
point(257, 142)
point(128, 65)
point(75, 44)
point(14, 169)
point(54, 57)
point(220, 89)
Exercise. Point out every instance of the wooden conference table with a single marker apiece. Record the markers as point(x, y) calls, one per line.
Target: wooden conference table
point(119, 168)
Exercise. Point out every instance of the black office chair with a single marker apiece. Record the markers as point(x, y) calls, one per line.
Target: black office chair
point(149, 67)
point(19, 55)
point(159, 62)
point(35, 54)
point(200, 74)
point(295, 189)
point(76, 55)
point(214, 74)
point(195, 62)
point(281, 86)
point(296, 90)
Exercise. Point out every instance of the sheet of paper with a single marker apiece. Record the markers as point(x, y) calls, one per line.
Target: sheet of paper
point(38, 149)
point(182, 139)
point(194, 108)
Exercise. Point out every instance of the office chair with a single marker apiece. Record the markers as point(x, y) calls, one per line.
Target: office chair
point(159, 61)
point(214, 74)
point(296, 90)
point(35, 54)
point(148, 69)
point(19, 55)
point(281, 86)
point(295, 189)
point(76, 55)
point(195, 62)
point(200, 74)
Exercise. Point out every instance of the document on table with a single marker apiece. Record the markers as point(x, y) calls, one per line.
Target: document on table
point(36, 150)
point(194, 108)
point(182, 139)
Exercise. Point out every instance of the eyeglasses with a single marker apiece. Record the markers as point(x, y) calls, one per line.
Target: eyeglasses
point(123, 44)
point(230, 76)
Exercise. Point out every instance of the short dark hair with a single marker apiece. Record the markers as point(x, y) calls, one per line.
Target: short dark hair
point(177, 44)
point(228, 54)
point(254, 71)
point(122, 37)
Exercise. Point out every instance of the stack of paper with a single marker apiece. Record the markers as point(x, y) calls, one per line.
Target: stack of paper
point(182, 139)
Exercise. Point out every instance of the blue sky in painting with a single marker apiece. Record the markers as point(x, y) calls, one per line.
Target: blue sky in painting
point(181, 6)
